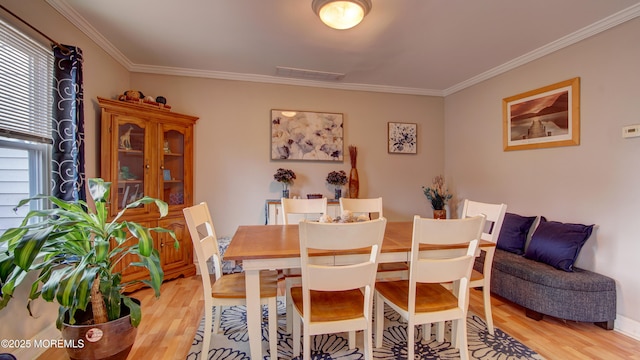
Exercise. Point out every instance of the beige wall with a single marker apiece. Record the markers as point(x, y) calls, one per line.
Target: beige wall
point(234, 173)
point(593, 183)
point(102, 76)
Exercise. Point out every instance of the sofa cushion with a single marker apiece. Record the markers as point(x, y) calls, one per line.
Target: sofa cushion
point(557, 244)
point(514, 231)
point(543, 274)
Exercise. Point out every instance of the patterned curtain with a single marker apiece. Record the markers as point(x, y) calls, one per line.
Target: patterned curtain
point(68, 174)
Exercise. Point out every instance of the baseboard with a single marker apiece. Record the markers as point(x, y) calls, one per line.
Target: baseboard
point(627, 326)
point(38, 343)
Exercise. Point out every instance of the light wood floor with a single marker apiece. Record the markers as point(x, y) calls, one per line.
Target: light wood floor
point(169, 324)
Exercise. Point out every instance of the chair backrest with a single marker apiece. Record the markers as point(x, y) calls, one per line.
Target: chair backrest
point(205, 242)
point(294, 210)
point(454, 267)
point(494, 214)
point(362, 206)
point(339, 237)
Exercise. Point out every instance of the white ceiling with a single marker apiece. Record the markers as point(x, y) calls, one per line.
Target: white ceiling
point(429, 47)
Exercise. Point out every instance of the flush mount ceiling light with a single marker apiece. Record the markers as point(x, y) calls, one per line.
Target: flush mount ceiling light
point(341, 14)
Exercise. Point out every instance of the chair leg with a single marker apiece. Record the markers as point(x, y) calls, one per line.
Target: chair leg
point(306, 344)
point(411, 327)
point(368, 344)
point(379, 320)
point(426, 331)
point(206, 337)
point(288, 304)
point(273, 327)
point(352, 340)
point(486, 301)
point(461, 334)
point(296, 334)
point(216, 320)
point(454, 334)
point(440, 331)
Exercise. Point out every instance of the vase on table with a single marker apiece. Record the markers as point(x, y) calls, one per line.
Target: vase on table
point(285, 193)
point(338, 193)
point(439, 213)
point(354, 183)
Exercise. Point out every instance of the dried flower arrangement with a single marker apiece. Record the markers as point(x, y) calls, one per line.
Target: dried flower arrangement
point(437, 194)
point(337, 178)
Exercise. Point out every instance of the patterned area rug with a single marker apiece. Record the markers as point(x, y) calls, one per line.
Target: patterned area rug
point(233, 343)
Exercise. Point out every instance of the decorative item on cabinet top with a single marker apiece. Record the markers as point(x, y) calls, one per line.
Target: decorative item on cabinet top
point(137, 97)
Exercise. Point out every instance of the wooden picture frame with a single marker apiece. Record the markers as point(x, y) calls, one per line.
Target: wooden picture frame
point(543, 118)
point(402, 138)
point(307, 135)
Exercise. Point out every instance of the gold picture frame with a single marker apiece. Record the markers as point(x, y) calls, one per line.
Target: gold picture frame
point(543, 118)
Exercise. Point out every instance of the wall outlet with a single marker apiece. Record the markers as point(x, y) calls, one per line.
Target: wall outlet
point(631, 131)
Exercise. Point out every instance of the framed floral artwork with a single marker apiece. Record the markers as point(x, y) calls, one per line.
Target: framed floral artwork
point(402, 138)
point(542, 118)
point(306, 135)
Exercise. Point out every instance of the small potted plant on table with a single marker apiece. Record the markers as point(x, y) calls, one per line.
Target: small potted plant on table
point(74, 250)
point(438, 195)
point(286, 177)
point(338, 179)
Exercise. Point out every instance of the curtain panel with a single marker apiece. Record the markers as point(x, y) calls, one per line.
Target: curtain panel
point(68, 159)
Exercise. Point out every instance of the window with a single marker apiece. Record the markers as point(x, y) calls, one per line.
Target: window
point(26, 78)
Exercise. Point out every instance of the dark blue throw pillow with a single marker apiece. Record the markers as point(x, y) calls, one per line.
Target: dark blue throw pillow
point(558, 244)
point(514, 231)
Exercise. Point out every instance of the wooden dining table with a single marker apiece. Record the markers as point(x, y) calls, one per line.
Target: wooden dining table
point(268, 247)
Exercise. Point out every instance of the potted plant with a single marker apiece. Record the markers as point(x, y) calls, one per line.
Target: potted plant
point(75, 250)
point(286, 177)
point(337, 178)
point(438, 195)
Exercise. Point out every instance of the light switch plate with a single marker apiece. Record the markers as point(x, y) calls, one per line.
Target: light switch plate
point(631, 131)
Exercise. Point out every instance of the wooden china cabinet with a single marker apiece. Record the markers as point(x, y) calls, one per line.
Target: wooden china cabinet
point(148, 150)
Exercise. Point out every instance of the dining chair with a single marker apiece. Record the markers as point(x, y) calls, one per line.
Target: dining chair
point(393, 270)
point(294, 211)
point(228, 289)
point(494, 214)
point(337, 297)
point(362, 206)
point(422, 299)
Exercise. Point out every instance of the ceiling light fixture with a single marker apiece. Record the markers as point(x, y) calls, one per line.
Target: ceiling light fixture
point(341, 14)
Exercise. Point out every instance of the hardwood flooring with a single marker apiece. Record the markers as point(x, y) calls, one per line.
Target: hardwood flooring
point(170, 322)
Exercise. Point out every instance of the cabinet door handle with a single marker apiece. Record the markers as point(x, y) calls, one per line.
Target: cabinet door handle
point(161, 167)
point(147, 166)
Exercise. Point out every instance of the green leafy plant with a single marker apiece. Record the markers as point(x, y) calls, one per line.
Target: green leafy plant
point(437, 194)
point(75, 250)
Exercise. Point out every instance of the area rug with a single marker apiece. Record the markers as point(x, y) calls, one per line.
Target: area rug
point(232, 342)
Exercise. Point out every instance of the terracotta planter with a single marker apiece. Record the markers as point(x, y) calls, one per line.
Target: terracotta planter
point(112, 340)
point(440, 214)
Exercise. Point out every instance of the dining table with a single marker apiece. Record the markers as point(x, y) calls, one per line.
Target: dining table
point(276, 247)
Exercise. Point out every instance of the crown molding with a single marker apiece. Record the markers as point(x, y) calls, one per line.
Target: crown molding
point(607, 23)
point(584, 33)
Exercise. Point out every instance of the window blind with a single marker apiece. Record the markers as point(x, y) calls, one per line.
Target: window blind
point(25, 88)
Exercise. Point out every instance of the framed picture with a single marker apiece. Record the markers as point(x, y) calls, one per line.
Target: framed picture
point(402, 138)
point(306, 135)
point(166, 174)
point(542, 118)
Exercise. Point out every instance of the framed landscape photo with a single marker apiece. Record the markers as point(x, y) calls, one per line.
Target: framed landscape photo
point(402, 138)
point(542, 118)
point(306, 135)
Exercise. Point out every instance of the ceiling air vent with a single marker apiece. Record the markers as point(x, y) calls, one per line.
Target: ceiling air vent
point(308, 74)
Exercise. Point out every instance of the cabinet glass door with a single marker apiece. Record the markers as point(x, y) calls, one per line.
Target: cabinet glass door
point(132, 165)
point(173, 166)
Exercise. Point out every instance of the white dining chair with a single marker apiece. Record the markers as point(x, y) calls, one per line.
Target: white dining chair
point(362, 206)
point(422, 299)
point(228, 289)
point(494, 214)
point(393, 270)
point(294, 211)
point(338, 297)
